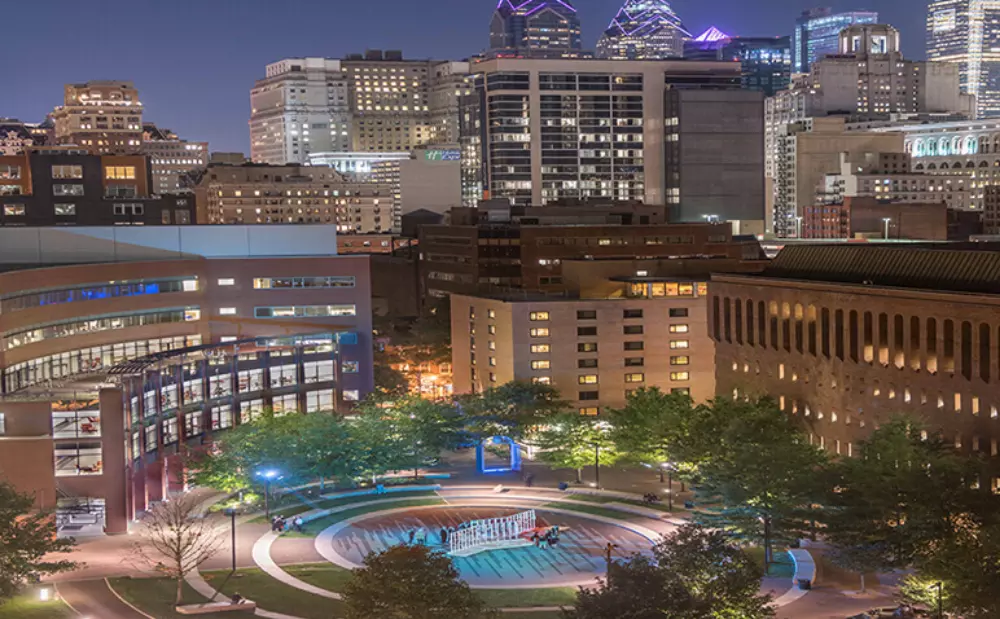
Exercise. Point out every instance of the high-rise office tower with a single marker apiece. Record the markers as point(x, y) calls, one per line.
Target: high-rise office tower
point(817, 32)
point(680, 133)
point(766, 61)
point(967, 32)
point(375, 102)
point(536, 29)
point(644, 30)
point(101, 117)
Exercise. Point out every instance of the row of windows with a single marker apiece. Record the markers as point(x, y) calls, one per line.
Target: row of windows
point(676, 312)
point(586, 396)
point(330, 281)
point(545, 364)
point(89, 292)
point(305, 311)
point(888, 339)
point(15, 339)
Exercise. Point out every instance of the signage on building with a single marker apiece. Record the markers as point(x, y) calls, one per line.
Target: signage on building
point(442, 155)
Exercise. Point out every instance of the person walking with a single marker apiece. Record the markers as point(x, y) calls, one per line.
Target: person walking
point(412, 534)
point(444, 536)
point(298, 523)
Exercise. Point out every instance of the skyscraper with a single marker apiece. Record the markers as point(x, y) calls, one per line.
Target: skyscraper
point(766, 61)
point(536, 29)
point(644, 30)
point(967, 32)
point(817, 32)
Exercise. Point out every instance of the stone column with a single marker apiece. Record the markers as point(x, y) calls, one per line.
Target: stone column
point(173, 468)
point(113, 458)
point(154, 482)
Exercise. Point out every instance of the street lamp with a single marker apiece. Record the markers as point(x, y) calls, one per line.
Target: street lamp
point(607, 559)
point(267, 476)
point(886, 221)
point(231, 512)
point(670, 468)
point(939, 586)
point(597, 465)
point(798, 227)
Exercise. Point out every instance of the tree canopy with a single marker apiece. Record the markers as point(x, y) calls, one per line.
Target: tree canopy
point(411, 582)
point(27, 536)
point(513, 409)
point(573, 441)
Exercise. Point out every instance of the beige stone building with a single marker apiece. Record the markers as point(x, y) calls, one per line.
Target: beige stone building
point(102, 117)
point(293, 194)
point(594, 351)
point(845, 337)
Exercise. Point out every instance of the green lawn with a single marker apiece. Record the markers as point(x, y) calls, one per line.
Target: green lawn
point(313, 528)
point(590, 498)
point(274, 595)
point(301, 508)
point(155, 596)
point(27, 606)
point(323, 575)
point(595, 510)
point(782, 565)
point(525, 598)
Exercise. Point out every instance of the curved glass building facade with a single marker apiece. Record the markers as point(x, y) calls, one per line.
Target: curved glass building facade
point(644, 30)
point(536, 29)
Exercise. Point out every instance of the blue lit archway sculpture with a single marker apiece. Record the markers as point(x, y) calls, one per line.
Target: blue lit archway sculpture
point(515, 455)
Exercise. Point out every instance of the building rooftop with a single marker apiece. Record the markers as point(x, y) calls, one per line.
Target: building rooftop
point(953, 267)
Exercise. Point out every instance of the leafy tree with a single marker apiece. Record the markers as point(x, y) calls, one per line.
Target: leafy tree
point(880, 518)
point(415, 342)
point(175, 539)
point(27, 536)
point(968, 567)
point(652, 427)
point(695, 573)
point(379, 441)
point(411, 582)
point(323, 448)
point(388, 380)
point(760, 475)
point(513, 409)
point(573, 441)
point(422, 428)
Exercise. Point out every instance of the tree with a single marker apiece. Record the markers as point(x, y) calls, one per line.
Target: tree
point(411, 582)
point(968, 568)
point(423, 429)
point(175, 539)
point(380, 443)
point(513, 409)
point(695, 573)
point(323, 448)
point(760, 473)
point(652, 426)
point(572, 441)
point(879, 516)
point(27, 536)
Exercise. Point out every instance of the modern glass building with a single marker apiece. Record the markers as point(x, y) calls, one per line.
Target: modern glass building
point(967, 32)
point(766, 61)
point(817, 34)
point(644, 30)
point(536, 29)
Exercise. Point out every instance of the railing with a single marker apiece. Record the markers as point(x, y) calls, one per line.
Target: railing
point(492, 533)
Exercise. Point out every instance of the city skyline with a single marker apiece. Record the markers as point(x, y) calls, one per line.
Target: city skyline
point(220, 64)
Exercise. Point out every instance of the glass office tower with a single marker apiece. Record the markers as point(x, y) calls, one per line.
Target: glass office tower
point(536, 29)
point(967, 32)
point(644, 30)
point(817, 33)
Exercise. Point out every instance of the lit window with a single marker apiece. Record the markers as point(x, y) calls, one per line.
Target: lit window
point(683, 360)
point(65, 210)
point(680, 376)
point(540, 348)
point(227, 281)
point(13, 210)
point(540, 365)
point(190, 285)
point(540, 332)
point(637, 377)
point(351, 395)
point(541, 380)
point(538, 316)
point(120, 172)
point(679, 328)
point(491, 313)
point(587, 379)
point(680, 344)
point(192, 314)
point(589, 410)
point(227, 311)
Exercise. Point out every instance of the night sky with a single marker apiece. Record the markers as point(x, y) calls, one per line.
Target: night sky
point(194, 61)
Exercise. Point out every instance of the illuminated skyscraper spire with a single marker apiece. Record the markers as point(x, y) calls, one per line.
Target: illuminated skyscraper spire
point(535, 28)
point(644, 30)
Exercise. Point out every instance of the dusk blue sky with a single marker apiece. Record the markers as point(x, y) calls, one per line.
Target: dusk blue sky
point(194, 61)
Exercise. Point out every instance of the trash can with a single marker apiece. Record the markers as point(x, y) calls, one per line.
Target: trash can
point(805, 584)
point(563, 485)
point(688, 505)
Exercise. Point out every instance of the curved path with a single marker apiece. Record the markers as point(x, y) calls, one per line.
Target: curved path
point(656, 524)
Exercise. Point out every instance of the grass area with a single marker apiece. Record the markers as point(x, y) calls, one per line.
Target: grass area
point(28, 606)
point(323, 575)
point(596, 511)
point(295, 510)
point(155, 596)
point(273, 595)
point(590, 498)
point(782, 565)
point(313, 528)
point(526, 598)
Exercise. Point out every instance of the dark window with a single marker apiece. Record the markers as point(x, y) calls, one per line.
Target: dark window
point(634, 362)
point(587, 347)
point(632, 330)
point(586, 315)
point(633, 346)
point(727, 319)
point(586, 331)
point(678, 312)
point(586, 363)
point(681, 390)
point(589, 395)
point(632, 313)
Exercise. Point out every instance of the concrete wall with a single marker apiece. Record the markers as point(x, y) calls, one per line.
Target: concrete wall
point(432, 185)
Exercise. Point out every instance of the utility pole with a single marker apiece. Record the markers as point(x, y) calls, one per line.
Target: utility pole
point(232, 514)
point(607, 559)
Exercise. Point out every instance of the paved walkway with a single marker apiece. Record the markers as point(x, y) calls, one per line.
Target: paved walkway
point(95, 599)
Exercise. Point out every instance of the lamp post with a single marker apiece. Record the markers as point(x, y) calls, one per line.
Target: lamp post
point(607, 559)
point(886, 221)
point(231, 512)
point(267, 476)
point(597, 464)
point(669, 466)
point(798, 227)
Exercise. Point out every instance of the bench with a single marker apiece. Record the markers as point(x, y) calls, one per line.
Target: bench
point(216, 607)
